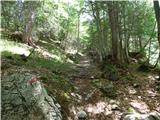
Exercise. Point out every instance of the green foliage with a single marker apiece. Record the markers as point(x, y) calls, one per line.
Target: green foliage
point(6, 54)
point(109, 69)
point(48, 64)
point(128, 78)
point(136, 24)
point(131, 110)
point(59, 21)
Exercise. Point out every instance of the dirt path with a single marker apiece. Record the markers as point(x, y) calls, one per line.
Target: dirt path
point(82, 78)
point(90, 99)
point(87, 97)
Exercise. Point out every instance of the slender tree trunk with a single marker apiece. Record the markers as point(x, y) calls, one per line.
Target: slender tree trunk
point(27, 37)
point(120, 41)
point(100, 38)
point(149, 53)
point(100, 33)
point(78, 30)
point(140, 43)
point(151, 36)
point(126, 41)
point(157, 13)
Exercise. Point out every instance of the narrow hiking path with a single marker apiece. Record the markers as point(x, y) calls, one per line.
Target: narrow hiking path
point(87, 97)
point(85, 69)
point(82, 76)
point(85, 93)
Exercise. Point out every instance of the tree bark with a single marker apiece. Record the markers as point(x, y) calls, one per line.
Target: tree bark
point(157, 13)
point(27, 37)
point(113, 15)
point(100, 37)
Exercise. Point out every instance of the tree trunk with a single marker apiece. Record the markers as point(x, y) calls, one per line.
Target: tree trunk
point(100, 37)
point(78, 31)
point(27, 37)
point(113, 15)
point(157, 13)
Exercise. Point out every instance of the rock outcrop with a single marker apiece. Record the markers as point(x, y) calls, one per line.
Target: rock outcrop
point(25, 98)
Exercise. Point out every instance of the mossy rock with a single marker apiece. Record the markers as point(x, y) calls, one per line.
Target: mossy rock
point(107, 88)
point(110, 72)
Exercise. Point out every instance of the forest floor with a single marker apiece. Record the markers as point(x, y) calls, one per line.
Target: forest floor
point(80, 86)
point(138, 93)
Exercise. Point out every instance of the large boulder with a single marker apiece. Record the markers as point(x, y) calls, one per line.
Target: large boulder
point(25, 98)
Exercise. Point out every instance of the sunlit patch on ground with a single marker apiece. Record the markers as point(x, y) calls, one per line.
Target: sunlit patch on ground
point(19, 48)
point(157, 77)
point(101, 109)
point(47, 54)
point(13, 47)
point(140, 106)
point(98, 108)
point(152, 93)
point(151, 77)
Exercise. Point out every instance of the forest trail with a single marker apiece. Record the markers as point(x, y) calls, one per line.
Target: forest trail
point(82, 77)
point(82, 69)
point(85, 93)
point(87, 97)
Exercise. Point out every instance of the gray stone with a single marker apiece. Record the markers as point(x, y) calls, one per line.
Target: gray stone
point(81, 114)
point(115, 107)
point(109, 90)
point(138, 116)
point(154, 115)
point(22, 100)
